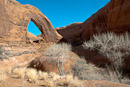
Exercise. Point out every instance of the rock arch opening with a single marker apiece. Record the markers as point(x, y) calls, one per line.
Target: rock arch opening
point(33, 32)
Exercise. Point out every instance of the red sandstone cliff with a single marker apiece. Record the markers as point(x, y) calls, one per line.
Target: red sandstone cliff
point(115, 17)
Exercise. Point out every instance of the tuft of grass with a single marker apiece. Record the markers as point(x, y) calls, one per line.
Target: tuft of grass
point(57, 78)
point(32, 75)
point(49, 83)
point(19, 71)
point(52, 74)
point(3, 76)
point(66, 81)
point(43, 75)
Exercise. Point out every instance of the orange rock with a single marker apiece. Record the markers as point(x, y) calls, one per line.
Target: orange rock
point(71, 33)
point(95, 24)
point(49, 64)
point(118, 19)
point(14, 20)
point(115, 17)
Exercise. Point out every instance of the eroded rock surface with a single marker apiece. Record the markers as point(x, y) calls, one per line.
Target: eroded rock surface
point(114, 17)
point(14, 20)
point(71, 33)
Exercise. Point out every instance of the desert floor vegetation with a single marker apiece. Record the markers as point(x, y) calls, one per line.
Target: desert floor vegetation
point(58, 54)
point(111, 45)
point(49, 79)
point(88, 71)
point(114, 47)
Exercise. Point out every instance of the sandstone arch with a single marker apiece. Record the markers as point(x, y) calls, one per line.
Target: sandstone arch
point(17, 19)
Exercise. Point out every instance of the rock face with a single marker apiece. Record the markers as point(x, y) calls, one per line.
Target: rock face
point(118, 19)
point(14, 20)
point(95, 24)
point(72, 32)
point(115, 17)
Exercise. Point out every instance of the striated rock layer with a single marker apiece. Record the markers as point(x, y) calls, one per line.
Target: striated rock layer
point(14, 20)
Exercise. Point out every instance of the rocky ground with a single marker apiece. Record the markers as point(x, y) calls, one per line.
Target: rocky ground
point(17, 54)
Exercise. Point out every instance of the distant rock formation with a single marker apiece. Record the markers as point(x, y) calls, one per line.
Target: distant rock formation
point(32, 37)
point(71, 33)
point(14, 20)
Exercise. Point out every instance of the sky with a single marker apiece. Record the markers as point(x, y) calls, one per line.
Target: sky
point(64, 12)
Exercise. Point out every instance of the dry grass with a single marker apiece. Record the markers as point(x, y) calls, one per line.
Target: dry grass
point(32, 75)
point(52, 74)
point(19, 71)
point(3, 76)
point(49, 83)
point(66, 80)
point(43, 75)
point(91, 72)
point(69, 81)
point(114, 47)
point(86, 71)
point(58, 50)
point(56, 78)
point(110, 45)
point(76, 83)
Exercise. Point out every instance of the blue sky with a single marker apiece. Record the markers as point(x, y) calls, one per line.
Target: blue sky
point(64, 12)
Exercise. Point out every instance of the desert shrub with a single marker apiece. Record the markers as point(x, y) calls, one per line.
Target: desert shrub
point(111, 45)
point(58, 53)
point(58, 50)
point(88, 71)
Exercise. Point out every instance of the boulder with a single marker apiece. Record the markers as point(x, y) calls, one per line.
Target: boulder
point(14, 20)
point(49, 64)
